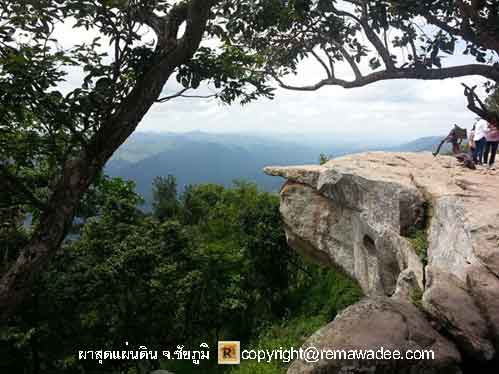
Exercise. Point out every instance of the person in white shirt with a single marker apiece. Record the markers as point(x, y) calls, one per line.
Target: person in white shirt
point(480, 140)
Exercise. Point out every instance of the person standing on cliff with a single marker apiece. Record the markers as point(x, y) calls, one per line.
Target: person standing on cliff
point(479, 140)
point(492, 138)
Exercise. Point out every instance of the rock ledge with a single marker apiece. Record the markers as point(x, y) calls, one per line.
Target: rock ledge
point(357, 213)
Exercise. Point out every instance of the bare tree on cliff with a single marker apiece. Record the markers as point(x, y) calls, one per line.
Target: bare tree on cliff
point(381, 40)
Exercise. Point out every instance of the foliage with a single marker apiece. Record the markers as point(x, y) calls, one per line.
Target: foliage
point(216, 267)
point(53, 143)
point(318, 300)
point(109, 196)
point(417, 298)
point(285, 334)
point(475, 22)
point(492, 101)
point(12, 235)
point(165, 204)
point(418, 235)
point(323, 158)
point(356, 32)
point(376, 40)
point(40, 126)
point(419, 241)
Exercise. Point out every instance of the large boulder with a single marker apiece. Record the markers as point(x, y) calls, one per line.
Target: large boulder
point(378, 324)
point(358, 213)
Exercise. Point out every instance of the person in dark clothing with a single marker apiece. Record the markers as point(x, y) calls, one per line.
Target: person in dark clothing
point(455, 137)
point(492, 148)
point(492, 136)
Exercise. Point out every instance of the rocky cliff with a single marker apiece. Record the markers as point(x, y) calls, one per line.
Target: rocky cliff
point(364, 214)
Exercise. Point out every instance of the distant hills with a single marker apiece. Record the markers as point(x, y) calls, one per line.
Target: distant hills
point(195, 158)
point(428, 143)
point(198, 157)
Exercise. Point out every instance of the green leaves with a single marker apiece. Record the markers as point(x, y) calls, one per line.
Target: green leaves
point(236, 73)
point(157, 282)
point(492, 101)
point(110, 197)
point(374, 63)
point(165, 204)
point(216, 266)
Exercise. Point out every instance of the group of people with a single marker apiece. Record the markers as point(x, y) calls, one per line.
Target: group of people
point(483, 142)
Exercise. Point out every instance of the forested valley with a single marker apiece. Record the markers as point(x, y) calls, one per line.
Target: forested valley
point(209, 264)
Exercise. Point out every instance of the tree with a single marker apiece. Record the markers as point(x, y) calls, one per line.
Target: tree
point(129, 276)
point(476, 21)
point(165, 203)
point(377, 39)
point(118, 281)
point(492, 101)
point(54, 145)
point(197, 200)
point(323, 158)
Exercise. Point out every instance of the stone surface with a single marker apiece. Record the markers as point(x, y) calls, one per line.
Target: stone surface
point(374, 324)
point(484, 287)
point(454, 308)
point(355, 212)
point(355, 225)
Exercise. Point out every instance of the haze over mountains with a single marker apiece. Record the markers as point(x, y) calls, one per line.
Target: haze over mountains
point(199, 157)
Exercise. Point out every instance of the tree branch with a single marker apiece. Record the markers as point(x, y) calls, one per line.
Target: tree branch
point(148, 18)
point(178, 94)
point(443, 25)
point(489, 72)
point(349, 58)
point(481, 110)
point(331, 65)
point(328, 72)
point(370, 34)
point(378, 44)
point(181, 94)
point(347, 14)
point(177, 15)
point(483, 37)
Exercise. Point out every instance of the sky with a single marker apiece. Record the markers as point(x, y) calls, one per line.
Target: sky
point(394, 111)
point(390, 112)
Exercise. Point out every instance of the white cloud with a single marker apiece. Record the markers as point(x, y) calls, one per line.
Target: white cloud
point(391, 110)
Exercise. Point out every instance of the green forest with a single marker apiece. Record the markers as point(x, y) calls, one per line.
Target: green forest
point(211, 264)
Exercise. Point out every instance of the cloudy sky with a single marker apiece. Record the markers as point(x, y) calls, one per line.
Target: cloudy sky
point(391, 111)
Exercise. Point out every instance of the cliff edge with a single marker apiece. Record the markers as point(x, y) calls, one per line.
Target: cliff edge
point(421, 236)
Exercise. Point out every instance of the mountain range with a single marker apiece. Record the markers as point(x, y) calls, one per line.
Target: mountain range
point(198, 157)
